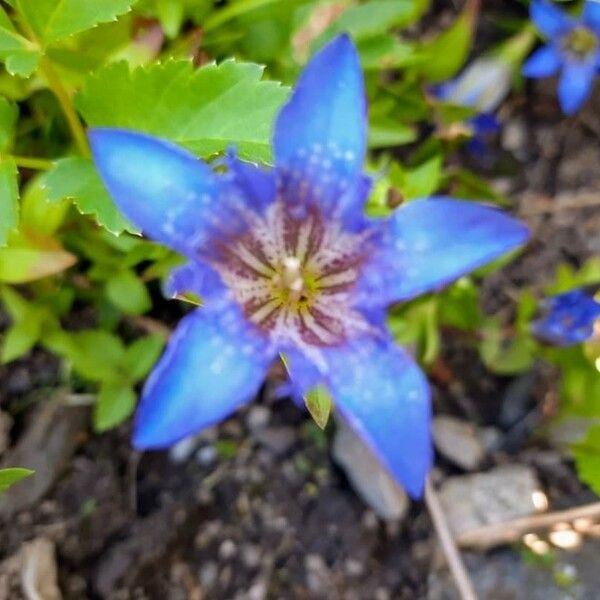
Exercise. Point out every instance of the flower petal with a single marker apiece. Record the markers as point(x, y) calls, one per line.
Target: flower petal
point(591, 14)
point(320, 134)
point(544, 62)
point(213, 364)
point(257, 184)
point(549, 19)
point(575, 85)
point(164, 190)
point(199, 279)
point(385, 398)
point(430, 243)
point(569, 320)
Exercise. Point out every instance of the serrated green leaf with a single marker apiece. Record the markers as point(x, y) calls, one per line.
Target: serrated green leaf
point(53, 20)
point(128, 293)
point(206, 109)
point(141, 356)
point(77, 179)
point(19, 54)
point(114, 404)
point(9, 198)
point(11, 476)
point(318, 402)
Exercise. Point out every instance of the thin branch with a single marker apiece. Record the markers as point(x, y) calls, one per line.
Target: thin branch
point(453, 557)
point(29, 162)
point(56, 85)
point(512, 531)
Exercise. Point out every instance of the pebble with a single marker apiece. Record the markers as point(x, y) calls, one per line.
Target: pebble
point(258, 417)
point(276, 439)
point(181, 451)
point(368, 478)
point(208, 574)
point(227, 550)
point(503, 493)
point(206, 455)
point(459, 441)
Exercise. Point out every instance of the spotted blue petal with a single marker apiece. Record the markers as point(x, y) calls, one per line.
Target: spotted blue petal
point(430, 243)
point(385, 398)
point(214, 363)
point(320, 134)
point(164, 190)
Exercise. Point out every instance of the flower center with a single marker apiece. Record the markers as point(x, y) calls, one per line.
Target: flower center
point(580, 42)
point(293, 277)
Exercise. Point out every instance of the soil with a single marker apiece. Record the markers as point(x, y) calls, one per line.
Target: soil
point(270, 516)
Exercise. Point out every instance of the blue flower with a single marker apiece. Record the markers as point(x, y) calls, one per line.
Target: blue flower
point(569, 318)
point(286, 262)
point(573, 48)
point(483, 85)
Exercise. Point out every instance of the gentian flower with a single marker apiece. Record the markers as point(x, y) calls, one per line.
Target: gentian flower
point(483, 85)
point(573, 48)
point(286, 262)
point(569, 318)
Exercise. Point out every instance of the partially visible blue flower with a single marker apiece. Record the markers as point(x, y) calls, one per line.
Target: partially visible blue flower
point(573, 48)
point(483, 85)
point(569, 318)
point(286, 262)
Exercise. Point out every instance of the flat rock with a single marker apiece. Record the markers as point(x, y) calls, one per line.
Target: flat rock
point(47, 446)
point(368, 478)
point(459, 441)
point(471, 501)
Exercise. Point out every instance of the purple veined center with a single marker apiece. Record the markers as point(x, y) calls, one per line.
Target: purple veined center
point(293, 275)
point(580, 42)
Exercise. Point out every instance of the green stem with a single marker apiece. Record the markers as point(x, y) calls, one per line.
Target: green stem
point(64, 100)
point(28, 162)
point(231, 11)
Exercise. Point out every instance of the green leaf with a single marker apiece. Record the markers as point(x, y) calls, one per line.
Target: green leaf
point(318, 402)
point(385, 132)
point(11, 476)
point(21, 338)
point(9, 113)
point(114, 404)
point(128, 293)
point(141, 356)
point(206, 109)
point(19, 54)
point(441, 58)
point(420, 181)
point(95, 354)
point(77, 179)
point(53, 20)
point(31, 257)
point(502, 355)
point(587, 458)
point(9, 199)
point(38, 213)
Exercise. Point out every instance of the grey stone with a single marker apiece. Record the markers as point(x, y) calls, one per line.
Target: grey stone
point(276, 439)
point(367, 476)
point(258, 417)
point(459, 441)
point(505, 492)
point(564, 432)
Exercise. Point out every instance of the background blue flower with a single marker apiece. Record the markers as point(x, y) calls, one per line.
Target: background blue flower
point(286, 262)
point(569, 318)
point(573, 48)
